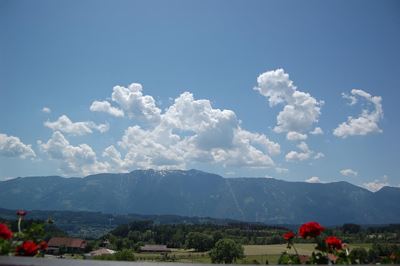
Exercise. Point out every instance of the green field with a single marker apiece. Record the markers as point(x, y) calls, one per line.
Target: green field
point(179, 255)
point(303, 249)
point(261, 253)
point(254, 254)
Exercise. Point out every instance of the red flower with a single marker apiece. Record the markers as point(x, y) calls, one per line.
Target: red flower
point(310, 229)
point(5, 233)
point(43, 245)
point(28, 248)
point(289, 235)
point(333, 242)
point(21, 213)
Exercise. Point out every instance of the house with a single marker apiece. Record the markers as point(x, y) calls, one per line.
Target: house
point(60, 245)
point(155, 248)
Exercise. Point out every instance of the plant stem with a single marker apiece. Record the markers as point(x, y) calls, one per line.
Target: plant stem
point(295, 250)
point(19, 224)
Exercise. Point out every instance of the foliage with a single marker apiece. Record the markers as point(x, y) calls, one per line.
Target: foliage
point(199, 241)
point(201, 237)
point(351, 228)
point(287, 258)
point(358, 256)
point(226, 251)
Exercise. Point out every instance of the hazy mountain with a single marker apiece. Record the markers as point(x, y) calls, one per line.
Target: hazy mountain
point(196, 193)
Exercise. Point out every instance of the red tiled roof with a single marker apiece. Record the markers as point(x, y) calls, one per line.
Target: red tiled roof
point(66, 242)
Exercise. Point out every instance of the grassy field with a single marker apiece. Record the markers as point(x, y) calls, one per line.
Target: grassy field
point(179, 255)
point(261, 253)
point(303, 249)
point(254, 254)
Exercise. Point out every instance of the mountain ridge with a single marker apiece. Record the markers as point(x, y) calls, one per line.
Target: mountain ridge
point(198, 193)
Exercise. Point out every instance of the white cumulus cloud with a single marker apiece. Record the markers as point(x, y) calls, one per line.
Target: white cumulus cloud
point(189, 132)
point(46, 110)
point(132, 102)
point(301, 110)
point(105, 106)
point(65, 125)
point(11, 146)
point(313, 179)
point(303, 154)
point(317, 131)
point(294, 136)
point(192, 131)
point(348, 172)
point(79, 159)
point(366, 122)
point(135, 104)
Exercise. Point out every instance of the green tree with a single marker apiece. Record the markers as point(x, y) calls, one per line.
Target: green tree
point(226, 251)
point(351, 228)
point(199, 241)
point(217, 236)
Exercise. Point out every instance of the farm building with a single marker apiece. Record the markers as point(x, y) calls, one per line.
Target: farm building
point(155, 248)
point(59, 245)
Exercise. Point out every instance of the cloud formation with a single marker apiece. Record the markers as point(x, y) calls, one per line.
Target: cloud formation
point(301, 110)
point(305, 153)
point(106, 107)
point(348, 172)
point(317, 131)
point(313, 179)
point(352, 99)
point(65, 125)
point(132, 102)
point(366, 122)
point(79, 159)
point(294, 136)
point(13, 147)
point(192, 131)
point(46, 110)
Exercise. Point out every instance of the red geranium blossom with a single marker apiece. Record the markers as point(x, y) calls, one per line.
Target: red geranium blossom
point(333, 242)
point(310, 229)
point(289, 235)
point(21, 213)
point(28, 248)
point(5, 233)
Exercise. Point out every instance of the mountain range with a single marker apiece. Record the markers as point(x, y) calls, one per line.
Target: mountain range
point(197, 193)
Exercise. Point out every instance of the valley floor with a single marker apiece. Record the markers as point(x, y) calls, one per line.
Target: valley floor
point(254, 254)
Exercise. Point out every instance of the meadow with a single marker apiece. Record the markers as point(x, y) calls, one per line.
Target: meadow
point(254, 254)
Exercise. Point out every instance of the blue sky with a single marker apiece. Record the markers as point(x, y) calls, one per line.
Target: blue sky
point(232, 87)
